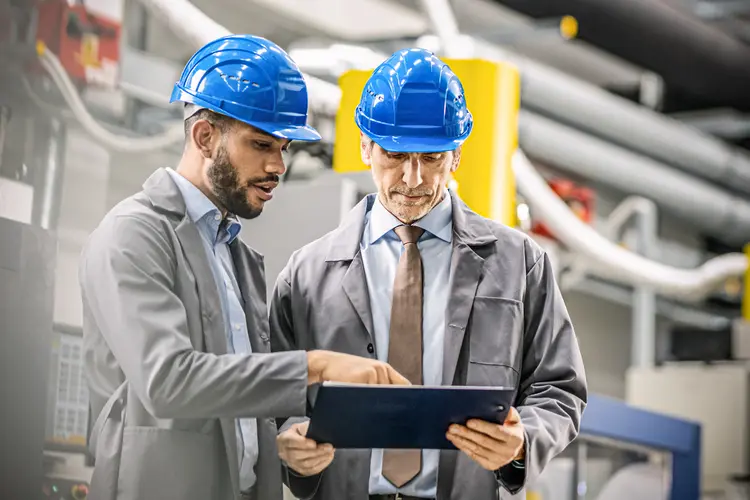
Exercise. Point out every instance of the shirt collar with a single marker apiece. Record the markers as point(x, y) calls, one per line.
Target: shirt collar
point(438, 221)
point(200, 208)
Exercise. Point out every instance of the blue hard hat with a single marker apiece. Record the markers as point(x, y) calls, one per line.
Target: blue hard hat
point(250, 79)
point(414, 103)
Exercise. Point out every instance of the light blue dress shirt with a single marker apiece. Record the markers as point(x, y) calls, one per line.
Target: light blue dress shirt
point(216, 239)
point(381, 249)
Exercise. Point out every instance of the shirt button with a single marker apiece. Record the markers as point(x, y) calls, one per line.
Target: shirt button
point(217, 217)
point(237, 326)
point(370, 348)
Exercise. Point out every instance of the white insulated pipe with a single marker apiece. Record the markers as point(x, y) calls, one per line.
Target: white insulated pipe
point(570, 100)
point(193, 26)
point(196, 28)
point(611, 260)
point(711, 209)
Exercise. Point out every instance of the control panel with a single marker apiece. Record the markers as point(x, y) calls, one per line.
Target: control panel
point(64, 489)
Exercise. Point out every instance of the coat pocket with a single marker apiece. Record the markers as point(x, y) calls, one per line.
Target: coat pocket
point(167, 464)
point(105, 445)
point(496, 342)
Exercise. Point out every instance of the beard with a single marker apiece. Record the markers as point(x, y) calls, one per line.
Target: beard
point(409, 211)
point(229, 191)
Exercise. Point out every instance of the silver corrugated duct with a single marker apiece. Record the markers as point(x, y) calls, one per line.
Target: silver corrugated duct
point(570, 100)
point(635, 127)
point(713, 210)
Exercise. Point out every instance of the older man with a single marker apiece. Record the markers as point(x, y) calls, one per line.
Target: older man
point(413, 276)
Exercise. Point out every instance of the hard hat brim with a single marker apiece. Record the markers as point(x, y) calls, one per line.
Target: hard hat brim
point(306, 133)
point(417, 144)
point(292, 132)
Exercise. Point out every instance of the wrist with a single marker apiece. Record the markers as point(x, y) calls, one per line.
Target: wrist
point(314, 367)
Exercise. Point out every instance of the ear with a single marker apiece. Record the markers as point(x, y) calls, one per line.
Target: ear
point(365, 149)
point(204, 137)
point(456, 159)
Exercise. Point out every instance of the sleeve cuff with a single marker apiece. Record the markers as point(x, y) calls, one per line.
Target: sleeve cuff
point(303, 487)
point(512, 477)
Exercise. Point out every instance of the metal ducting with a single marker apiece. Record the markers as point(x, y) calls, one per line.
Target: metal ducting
point(712, 210)
point(622, 122)
point(567, 99)
point(696, 60)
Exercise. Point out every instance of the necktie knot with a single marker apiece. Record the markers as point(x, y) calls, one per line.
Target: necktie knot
point(409, 234)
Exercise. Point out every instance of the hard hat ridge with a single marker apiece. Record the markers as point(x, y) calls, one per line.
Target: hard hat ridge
point(413, 102)
point(252, 80)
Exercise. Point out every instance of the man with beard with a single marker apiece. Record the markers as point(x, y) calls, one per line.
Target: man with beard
point(183, 387)
point(447, 297)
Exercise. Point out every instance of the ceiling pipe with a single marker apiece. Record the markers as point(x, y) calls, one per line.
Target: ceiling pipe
point(554, 93)
point(695, 59)
point(710, 209)
point(611, 260)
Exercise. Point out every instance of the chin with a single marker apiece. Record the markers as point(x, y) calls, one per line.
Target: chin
point(409, 216)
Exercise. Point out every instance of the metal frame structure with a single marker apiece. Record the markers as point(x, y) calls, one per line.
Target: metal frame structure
point(615, 420)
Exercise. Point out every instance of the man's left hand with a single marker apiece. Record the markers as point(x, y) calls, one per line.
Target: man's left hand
point(489, 444)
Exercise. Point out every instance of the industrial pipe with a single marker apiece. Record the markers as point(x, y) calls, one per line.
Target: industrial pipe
point(624, 266)
point(444, 24)
point(609, 259)
point(711, 209)
point(193, 26)
point(697, 60)
point(567, 99)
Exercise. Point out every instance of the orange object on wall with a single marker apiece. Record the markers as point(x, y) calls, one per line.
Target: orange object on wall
point(580, 200)
point(87, 45)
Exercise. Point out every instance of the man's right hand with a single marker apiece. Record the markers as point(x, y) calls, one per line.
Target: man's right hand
point(304, 456)
point(324, 366)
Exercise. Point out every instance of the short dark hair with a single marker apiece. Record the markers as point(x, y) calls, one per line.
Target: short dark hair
point(222, 122)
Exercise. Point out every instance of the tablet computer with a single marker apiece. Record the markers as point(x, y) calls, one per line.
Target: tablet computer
point(404, 417)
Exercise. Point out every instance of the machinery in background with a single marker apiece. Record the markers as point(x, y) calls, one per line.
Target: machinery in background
point(717, 396)
point(27, 260)
point(86, 42)
point(43, 443)
point(84, 37)
point(64, 489)
point(579, 198)
point(625, 453)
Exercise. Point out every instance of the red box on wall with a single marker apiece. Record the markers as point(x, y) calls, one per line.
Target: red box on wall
point(87, 45)
point(580, 200)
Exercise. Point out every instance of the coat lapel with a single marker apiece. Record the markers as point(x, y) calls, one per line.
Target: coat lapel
point(466, 269)
point(166, 196)
point(345, 248)
point(470, 231)
point(213, 321)
point(251, 278)
point(355, 287)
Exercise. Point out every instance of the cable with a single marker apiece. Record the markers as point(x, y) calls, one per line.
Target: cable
point(51, 64)
point(612, 260)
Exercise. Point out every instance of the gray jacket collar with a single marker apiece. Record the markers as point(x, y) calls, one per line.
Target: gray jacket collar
point(164, 194)
point(468, 227)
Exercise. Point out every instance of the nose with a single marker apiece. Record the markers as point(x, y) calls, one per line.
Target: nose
point(413, 172)
point(276, 164)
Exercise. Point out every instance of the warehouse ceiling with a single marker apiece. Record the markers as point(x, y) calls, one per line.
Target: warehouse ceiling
point(696, 52)
point(699, 47)
point(290, 22)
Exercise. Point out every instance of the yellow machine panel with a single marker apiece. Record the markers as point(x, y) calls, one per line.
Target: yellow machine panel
point(485, 177)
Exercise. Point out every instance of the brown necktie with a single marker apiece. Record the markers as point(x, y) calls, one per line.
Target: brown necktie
point(405, 343)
